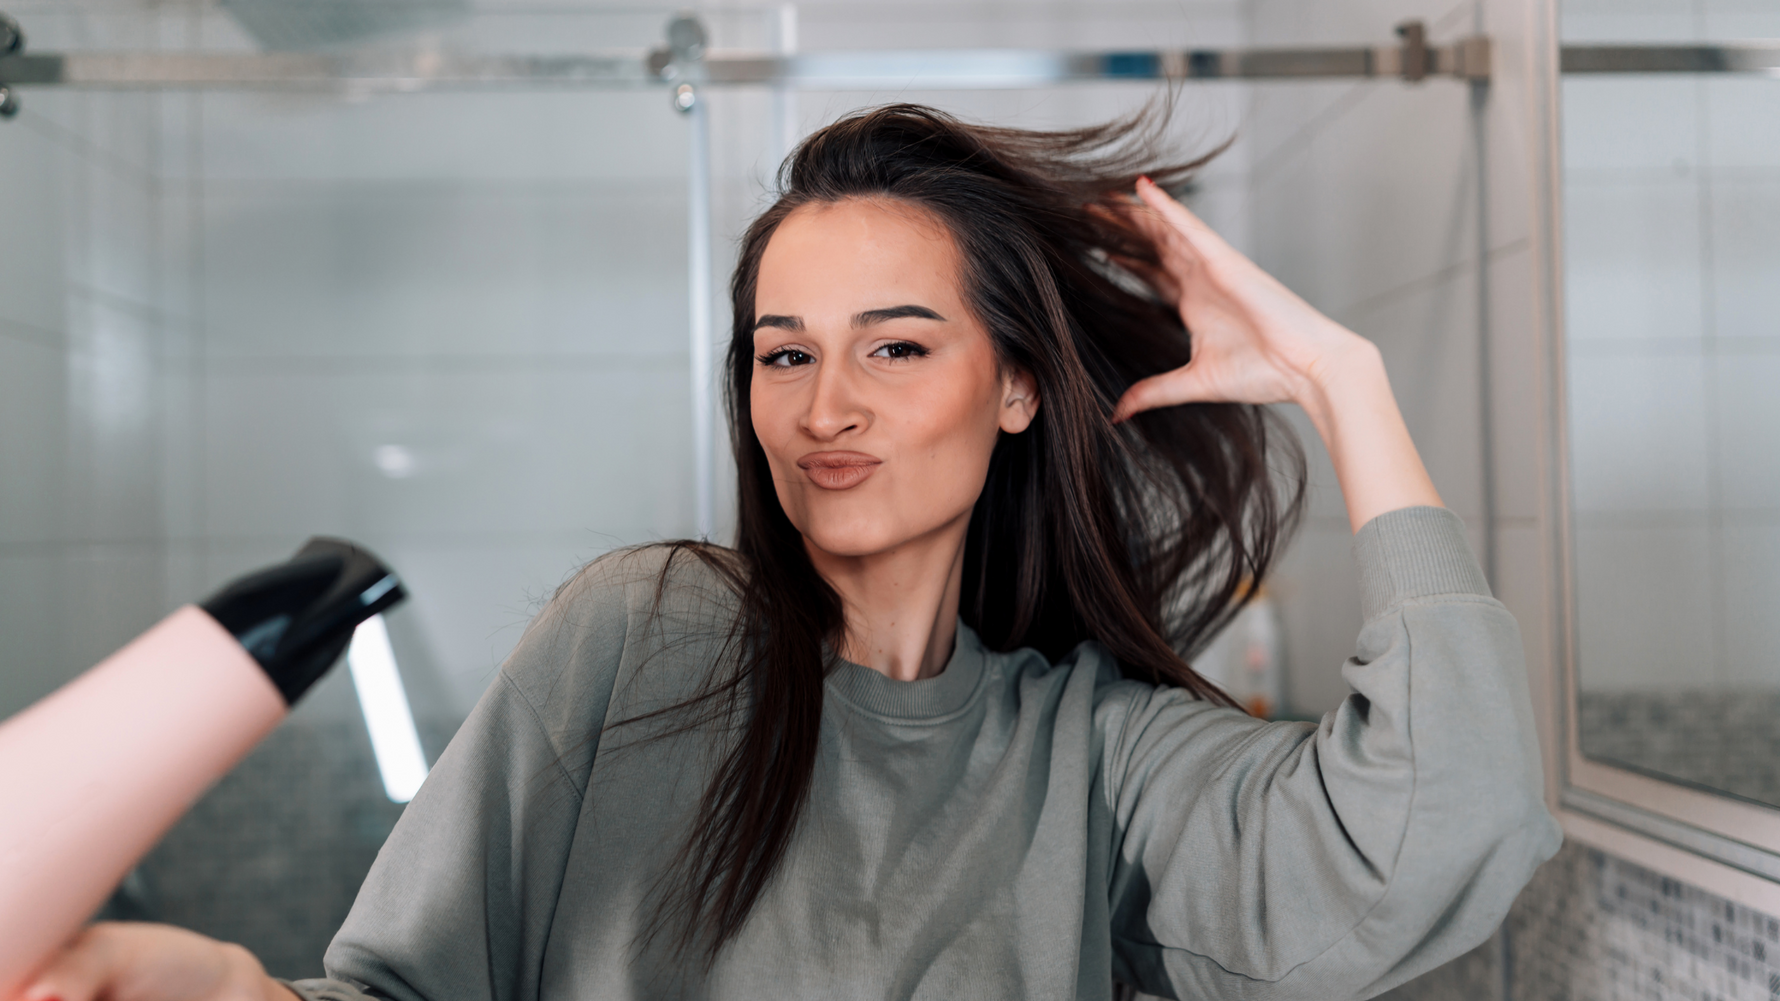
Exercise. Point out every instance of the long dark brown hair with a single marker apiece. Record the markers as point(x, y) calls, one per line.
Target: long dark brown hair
point(1145, 536)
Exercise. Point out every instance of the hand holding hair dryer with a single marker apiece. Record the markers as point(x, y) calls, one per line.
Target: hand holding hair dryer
point(93, 775)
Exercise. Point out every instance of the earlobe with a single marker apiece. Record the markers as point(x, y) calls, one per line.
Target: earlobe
point(1019, 402)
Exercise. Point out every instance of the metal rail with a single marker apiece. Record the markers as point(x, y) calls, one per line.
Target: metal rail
point(942, 69)
point(945, 69)
point(1738, 57)
point(948, 69)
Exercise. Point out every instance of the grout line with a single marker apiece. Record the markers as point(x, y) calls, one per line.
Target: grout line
point(1619, 176)
point(1486, 421)
point(1720, 346)
point(197, 248)
point(123, 303)
point(32, 334)
point(1675, 518)
point(1373, 303)
point(1264, 165)
point(596, 188)
point(73, 142)
point(76, 547)
point(574, 537)
point(279, 365)
point(1715, 551)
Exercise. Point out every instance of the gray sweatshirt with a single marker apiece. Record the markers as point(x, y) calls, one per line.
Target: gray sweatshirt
point(1010, 828)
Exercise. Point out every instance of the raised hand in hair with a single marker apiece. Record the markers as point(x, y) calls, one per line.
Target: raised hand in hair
point(1255, 341)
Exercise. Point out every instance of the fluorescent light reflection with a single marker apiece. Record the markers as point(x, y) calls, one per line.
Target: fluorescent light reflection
point(385, 705)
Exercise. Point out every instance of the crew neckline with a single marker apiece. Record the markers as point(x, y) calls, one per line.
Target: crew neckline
point(925, 699)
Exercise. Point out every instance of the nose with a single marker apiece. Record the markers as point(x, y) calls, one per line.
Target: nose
point(835, 408)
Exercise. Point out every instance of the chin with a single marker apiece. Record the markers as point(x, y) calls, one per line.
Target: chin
point(852, 537)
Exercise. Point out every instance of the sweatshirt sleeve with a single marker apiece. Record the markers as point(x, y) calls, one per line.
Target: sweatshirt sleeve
point(1280, 860)
point(459, 903)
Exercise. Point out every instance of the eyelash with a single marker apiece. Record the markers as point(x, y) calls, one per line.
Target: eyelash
point(772, 358)
point(914, 350)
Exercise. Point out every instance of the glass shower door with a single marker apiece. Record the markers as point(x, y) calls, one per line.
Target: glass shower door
point(448, 326)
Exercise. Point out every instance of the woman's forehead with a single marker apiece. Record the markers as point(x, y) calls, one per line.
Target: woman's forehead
point(835, 252)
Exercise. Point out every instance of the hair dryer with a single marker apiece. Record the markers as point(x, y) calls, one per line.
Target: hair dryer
point(93, 775)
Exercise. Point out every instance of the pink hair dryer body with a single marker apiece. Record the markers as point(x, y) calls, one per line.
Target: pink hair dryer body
point(92, 776)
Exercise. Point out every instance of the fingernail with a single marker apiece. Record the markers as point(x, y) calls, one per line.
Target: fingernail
point(1144, 179)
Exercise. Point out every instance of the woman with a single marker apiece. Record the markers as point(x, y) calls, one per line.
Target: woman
point(923, 733)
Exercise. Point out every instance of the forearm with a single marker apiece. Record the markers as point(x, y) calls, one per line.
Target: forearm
point(1350, 402)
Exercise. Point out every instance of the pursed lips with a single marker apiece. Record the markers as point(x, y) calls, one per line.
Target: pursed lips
point(838, 470)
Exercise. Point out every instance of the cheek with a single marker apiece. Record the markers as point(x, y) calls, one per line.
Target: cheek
point(766, 412)
point(772, 413)
point(949, 434)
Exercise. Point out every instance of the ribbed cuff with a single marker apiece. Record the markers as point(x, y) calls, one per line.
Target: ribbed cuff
point(1412, 553)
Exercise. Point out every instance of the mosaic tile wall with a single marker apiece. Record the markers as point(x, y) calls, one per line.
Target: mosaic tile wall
point(1723, 739)
point(1591, 927)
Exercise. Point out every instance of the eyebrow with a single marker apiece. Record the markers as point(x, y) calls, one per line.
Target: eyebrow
point(872, 316)
point(864, 319)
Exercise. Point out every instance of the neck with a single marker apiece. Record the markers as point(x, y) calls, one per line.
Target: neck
point(901, 605)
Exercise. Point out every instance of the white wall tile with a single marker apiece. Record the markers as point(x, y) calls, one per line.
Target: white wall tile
point(417, 271)
point(1632, 260)
point(65, 608)
point(1521, 415)
point(1740, 116)
point(1429, 340)
point(33, 442)
point(1628, 28)
point(1638, 433)
point(579, 136)
point(110, 230)
point(113, 592)
point(1751, 647)
point(1627, 20)
point(1745, 285)
point(1643, 613)
point(1364, 22)
point(33, 656)
point(1399, 209)
point(1626, 123)
point(937, 24)
point(1736, 20)
point(423, 452)
point(1748, 427)
point(113, 450)
point(31, 255)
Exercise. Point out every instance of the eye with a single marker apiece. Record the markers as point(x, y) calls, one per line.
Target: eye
point(785, 358)
point(900, 350)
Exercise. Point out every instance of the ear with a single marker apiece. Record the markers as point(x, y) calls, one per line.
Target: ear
point(1019, 400)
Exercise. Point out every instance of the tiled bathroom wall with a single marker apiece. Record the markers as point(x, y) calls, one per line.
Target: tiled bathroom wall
point(82, 343)
point(1592, 927)
point(1672, 190)
point(1672, 222)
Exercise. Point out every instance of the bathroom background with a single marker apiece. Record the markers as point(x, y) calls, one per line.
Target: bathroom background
point(453, 327)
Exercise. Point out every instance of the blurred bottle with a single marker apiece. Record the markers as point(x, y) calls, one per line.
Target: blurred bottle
point(1246, 659)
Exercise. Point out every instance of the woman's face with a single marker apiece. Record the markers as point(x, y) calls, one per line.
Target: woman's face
point(876, 393)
